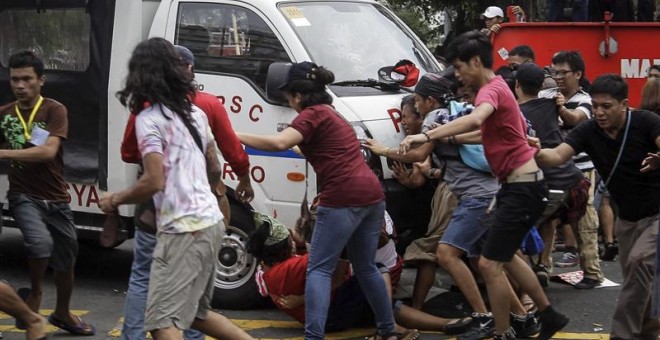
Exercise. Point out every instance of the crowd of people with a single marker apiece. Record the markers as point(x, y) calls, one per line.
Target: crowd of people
point(496, 144)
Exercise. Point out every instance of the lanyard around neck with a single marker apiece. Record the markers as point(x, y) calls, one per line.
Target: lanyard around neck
point(27, 128)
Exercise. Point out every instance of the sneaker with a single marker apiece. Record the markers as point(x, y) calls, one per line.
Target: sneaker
point(482, 327)
point(610, 251)
point(508, 335)
point(541, 272)
point(525, 326)
point(551, 323)
point(586, 283)
point(568, 260)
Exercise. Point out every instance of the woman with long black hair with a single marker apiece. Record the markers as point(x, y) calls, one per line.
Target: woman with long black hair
point(351, 208)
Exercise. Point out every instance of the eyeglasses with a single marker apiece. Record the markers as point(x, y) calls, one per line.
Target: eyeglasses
point(559, 73)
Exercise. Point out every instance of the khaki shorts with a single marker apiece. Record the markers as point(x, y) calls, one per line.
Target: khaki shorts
point(181, 279)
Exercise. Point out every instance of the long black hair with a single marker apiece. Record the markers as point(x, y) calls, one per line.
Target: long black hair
point(157, 75)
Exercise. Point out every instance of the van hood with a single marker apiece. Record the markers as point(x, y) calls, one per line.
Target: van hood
point(380, 114)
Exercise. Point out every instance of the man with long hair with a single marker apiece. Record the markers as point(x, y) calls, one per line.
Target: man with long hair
point(176, 144)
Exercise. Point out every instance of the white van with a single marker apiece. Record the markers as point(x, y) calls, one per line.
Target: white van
point(86, 45)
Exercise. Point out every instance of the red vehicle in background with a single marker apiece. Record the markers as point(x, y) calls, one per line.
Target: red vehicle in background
point(625, 48)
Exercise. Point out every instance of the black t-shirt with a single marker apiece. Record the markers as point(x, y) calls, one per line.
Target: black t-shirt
point(636, 193)
point(543, 114)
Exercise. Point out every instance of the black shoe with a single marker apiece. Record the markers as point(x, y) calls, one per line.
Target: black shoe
point(525, 326)
point(610, 251)
point(482, 327)
point(508, 335)
point(542, 274)
point(551, 323)
point(586, 283)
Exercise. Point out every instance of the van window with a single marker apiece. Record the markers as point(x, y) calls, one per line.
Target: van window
point(228, 39)
point(59, 36)
point(354, 39)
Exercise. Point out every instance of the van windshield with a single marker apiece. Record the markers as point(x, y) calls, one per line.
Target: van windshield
point(354, 40)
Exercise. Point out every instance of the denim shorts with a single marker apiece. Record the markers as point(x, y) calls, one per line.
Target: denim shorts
point(465, 230)
point(519, 206)
point(48, 230)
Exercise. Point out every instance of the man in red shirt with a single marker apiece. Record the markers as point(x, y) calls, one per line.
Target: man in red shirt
point(522, 196)
point(232, 151)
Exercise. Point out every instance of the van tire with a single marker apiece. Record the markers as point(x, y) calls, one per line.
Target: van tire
point(235, 287)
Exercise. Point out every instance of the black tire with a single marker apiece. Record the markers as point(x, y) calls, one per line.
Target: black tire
point(235, 287)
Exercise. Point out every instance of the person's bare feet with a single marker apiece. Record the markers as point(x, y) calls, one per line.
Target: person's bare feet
point(36, 327)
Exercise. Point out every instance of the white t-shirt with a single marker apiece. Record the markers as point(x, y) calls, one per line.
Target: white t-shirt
point(187, 203)
point(387, 254)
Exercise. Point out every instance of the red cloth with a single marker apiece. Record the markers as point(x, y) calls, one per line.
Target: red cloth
point(224, 135)
point(288, 278)
point(504, 133)
point(331, 147)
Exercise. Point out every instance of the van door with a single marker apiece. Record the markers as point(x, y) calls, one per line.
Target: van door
point(234, 44)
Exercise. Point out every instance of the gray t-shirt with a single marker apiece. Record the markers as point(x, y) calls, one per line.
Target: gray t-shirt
point(462, 180)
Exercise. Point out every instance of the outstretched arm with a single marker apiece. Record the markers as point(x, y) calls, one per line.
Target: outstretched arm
point(279, 142)
point(553, 157)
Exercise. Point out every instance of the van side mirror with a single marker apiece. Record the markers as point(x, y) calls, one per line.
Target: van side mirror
point(404, 73)
point(278, 73)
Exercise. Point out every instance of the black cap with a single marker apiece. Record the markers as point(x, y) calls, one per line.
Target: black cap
point(298, 71)
point(434, 85)
point(185, 54)
point(530, 74)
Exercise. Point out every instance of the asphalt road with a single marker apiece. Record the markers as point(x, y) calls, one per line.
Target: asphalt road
point(102, 276)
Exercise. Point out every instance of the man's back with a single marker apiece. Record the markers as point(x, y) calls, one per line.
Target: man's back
point(186, 203)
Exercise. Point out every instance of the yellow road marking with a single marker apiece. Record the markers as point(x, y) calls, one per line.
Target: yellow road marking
point(251, 325)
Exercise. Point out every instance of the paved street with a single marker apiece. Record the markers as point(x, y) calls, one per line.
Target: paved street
point(102, 276)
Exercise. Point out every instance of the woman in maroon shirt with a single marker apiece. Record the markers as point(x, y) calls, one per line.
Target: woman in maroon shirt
point(351, 208)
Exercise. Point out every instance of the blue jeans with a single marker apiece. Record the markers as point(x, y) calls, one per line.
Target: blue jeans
point(138, 288)
point(357, 229)
point(556, 10)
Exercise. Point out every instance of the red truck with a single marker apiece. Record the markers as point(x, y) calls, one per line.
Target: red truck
point(625, 48)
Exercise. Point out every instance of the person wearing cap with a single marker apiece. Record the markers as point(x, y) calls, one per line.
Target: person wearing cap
point(474, 189)
point(493, 16)
point(544, 116)
point(352, 202)
point(624, 144)
point(230, 148)
point(281, 277)
point(521, 197)
point(179, 161)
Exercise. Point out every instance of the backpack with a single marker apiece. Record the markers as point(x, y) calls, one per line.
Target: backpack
point(472, 155)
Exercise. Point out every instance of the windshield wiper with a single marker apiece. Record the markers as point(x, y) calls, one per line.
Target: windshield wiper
point(373, 83)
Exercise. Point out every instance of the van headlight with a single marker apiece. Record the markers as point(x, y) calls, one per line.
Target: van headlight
point(362, 136)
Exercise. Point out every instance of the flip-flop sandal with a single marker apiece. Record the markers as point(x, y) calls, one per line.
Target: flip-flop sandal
point(82, 328)
point(23, 293)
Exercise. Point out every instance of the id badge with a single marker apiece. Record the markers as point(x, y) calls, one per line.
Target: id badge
point(38, 136)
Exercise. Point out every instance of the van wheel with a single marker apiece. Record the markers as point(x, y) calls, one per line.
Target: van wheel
point(235, 287)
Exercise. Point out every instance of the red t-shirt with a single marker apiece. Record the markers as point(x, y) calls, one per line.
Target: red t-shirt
point(288, 278)
point(331, 147)
point(503, 133)
point(224, 135)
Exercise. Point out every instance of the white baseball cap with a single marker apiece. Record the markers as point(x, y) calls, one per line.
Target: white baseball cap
point(491, 12)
